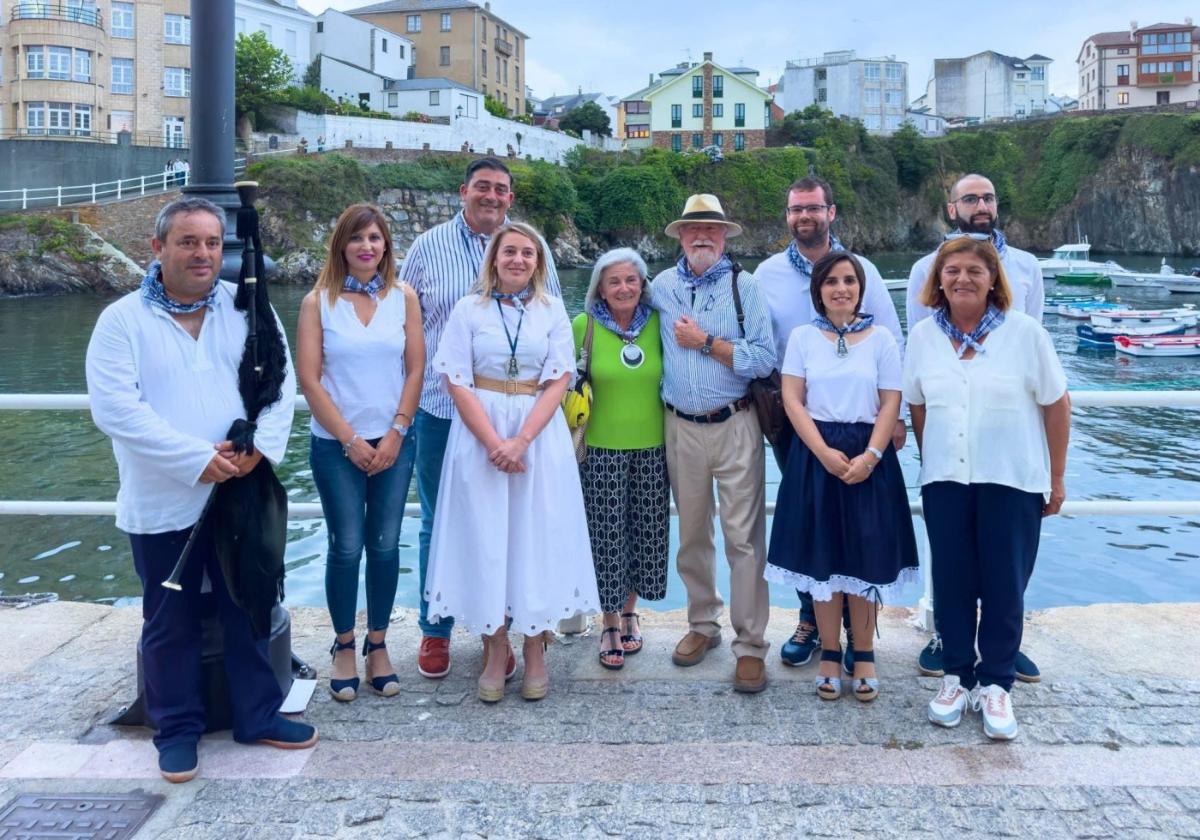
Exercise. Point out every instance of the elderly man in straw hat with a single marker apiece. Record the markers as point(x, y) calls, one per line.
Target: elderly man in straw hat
point(712, 433)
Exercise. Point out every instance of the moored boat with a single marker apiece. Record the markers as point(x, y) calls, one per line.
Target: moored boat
point(1181, 284)
point(1058, 300)
point(1185, 316)
point(1081, 278)
point(1138, 279)
point(1073, 257)
point(1105, 336)
point(1084, 309)
point(1171, 345)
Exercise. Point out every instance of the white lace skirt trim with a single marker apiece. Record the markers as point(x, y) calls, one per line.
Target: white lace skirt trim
point(520, 624)
point(824, 590)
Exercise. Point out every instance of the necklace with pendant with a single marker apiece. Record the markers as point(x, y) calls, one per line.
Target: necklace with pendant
point(632, 356)
point(514, 368)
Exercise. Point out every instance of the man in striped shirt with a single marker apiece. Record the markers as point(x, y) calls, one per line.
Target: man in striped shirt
point(442, 266)
point(712, 434)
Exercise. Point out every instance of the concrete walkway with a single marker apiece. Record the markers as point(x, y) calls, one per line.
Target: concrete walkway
point(1109, 743)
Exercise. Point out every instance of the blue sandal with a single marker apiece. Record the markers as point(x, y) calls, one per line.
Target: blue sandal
point(866, 689)
point(343, 690)
point(830, 688)
point(388, 686)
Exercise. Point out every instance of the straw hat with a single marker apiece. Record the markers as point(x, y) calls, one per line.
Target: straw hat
point(705, 208)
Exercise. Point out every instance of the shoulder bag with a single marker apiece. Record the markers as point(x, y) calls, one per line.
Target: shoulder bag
point(765, 393)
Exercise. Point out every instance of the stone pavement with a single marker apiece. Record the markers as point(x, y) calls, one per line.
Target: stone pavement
point(1109, 743)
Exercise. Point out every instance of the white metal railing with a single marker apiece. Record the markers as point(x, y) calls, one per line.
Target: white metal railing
point(1079, 399)
point(121, 189)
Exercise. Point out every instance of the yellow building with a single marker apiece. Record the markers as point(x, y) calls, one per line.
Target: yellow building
point(461, 41)
point(88, 69)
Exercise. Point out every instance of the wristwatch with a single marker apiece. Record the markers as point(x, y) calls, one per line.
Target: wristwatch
point(877, 453)
point(400, 428)
point(708, 344)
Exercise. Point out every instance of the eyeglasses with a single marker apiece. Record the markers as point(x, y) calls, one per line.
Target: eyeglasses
point(972, 200)
point(808, 209)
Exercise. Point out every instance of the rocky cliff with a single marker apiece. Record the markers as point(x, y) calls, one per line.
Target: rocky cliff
point(45, 255)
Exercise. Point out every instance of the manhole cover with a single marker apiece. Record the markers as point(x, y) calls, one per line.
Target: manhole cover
point(34, 816)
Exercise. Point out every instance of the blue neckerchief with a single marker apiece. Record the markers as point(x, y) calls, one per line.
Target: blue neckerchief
point(864, 321)
point(801, 263)
point(465, 229)
point(1000, 242)
point(722, 266)
point(516, 298)
point(641, 315)
point(373, 287)
point(155, 294)
point(990, 320)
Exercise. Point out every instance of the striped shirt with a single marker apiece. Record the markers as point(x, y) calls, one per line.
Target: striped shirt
point(693, 382)
point(443, 266)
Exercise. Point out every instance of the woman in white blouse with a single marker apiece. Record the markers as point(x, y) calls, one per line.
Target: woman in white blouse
point(510, 543)
point(360, 356)
point(991, 415)
point(842, 527)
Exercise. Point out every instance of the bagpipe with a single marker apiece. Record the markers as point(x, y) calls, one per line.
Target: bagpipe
point(249, 513)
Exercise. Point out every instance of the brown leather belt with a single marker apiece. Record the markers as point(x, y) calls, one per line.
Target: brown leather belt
point(526, 387)
point(719, 416)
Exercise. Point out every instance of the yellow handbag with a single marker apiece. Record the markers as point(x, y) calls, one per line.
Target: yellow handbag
point(577, 402)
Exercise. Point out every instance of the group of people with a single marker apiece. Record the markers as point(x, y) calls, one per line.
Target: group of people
point(176, 171)
point(454, 366)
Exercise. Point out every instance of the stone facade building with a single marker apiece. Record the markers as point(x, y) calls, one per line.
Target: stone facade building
point(82, 69)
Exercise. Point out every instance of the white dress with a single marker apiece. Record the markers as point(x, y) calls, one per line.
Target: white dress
point(509, 545)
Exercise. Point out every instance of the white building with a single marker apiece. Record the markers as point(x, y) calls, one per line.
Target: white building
point(927, 123)
point(871, 90)
point(1139, 67)
point(988, 86)
point(287, 27)
point(443, 99)
point(358, 59)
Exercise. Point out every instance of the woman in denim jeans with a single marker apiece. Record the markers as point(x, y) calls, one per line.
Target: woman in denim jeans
point(360, 357)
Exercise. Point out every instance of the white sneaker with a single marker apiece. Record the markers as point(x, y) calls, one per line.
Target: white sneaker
point(999, 723)
point(946, 709)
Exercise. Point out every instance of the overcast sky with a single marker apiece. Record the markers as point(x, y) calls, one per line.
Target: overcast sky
point(613, 47)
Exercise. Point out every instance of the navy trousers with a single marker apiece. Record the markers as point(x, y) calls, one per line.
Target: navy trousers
point(171, 644)
point(983, 540)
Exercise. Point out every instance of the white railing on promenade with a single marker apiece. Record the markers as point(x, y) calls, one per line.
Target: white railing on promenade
point(1079, 399)
point(124, 188)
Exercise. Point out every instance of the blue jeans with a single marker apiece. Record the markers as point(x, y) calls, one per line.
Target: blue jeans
point(361, 511)
point(431, 433)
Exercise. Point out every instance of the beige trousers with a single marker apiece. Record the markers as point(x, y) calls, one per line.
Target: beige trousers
point(732, 454)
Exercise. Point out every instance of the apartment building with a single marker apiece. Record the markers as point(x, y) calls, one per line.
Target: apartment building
point(358, 60)
point(459, 40)
point(287, 27)
point(92, 68)
point(691, 106)
point(1140, 66)
point(873, 91)
point(988, 86)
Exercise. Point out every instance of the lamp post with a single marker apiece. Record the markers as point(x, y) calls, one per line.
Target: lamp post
point(458, 113)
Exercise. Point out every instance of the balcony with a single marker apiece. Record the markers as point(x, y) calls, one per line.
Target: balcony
point(69, 12)
point(503, 47)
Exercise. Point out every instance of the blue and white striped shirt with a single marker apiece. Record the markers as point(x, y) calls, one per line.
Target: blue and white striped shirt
point(443, 266)
point(693, 382)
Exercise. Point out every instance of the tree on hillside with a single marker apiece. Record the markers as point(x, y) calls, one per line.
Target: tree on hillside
point(312, 74)
point(495, 107)
point(261, 73)
point(587, 117)
point(914, 156)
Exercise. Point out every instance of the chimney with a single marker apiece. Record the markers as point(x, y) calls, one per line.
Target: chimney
point(1132, 28)
point(651, 82)
point(581, 90)
point(1187, 21)
point(708, 56)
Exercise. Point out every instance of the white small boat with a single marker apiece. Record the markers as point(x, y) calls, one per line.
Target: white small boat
point(1185, 316)
point(1138, 279)
point(1084, 309)
point(1074, 257)
point(1172, 345)
point(1181, 284)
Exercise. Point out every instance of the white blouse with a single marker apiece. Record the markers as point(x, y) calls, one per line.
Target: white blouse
point(362, 365)
point(984, 421)
point(843, 389)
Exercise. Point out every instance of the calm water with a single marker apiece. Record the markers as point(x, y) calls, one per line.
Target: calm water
point(1115, 453)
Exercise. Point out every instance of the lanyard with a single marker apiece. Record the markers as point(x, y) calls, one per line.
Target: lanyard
point(513, 367)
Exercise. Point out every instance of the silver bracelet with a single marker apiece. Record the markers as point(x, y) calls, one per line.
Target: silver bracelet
point(877, 453)
point(348, 444)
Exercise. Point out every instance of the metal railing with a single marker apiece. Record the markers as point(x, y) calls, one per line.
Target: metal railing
point(155, 139)
point(1079, 400)
point(57, 10)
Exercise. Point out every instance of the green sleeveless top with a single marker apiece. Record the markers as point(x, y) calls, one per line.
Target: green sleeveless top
point(627, 409)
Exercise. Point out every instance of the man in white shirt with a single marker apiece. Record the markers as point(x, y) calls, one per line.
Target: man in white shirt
point(973, 208)
point(784, 279)
point(162, 374)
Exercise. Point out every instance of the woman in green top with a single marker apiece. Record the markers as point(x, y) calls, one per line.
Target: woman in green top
point(625, 487)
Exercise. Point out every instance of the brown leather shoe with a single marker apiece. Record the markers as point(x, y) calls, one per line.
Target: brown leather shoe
point(693, 647)
point(433, 657)
point(750, 675)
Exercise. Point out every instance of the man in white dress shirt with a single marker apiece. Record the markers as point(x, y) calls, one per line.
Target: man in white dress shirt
point(162, 374)
point(784, 279)
point(973, 209)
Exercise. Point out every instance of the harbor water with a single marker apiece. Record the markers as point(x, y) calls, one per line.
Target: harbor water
point(1117, 453)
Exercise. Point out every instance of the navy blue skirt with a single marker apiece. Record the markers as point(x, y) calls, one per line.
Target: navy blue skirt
point(828, 536)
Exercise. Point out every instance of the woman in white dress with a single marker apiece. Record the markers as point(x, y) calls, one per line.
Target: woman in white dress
point(511, 545)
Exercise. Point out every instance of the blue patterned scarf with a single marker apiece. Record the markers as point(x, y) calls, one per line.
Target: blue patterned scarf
point(516, 298)
point(1000, 242)
point(722, 266)
point(990, 320)
point(801, 262)
point(864, 321)
point(372, 287)
point(155, 294)
point(641, 316)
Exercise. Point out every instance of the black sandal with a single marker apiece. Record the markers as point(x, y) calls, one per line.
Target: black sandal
point(612, 653)
point(631, 638)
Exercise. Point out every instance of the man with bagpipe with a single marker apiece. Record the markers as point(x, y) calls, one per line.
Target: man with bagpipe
point(190, 377)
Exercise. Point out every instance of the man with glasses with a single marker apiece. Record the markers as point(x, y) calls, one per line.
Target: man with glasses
point(784, 279)
point(973, 209)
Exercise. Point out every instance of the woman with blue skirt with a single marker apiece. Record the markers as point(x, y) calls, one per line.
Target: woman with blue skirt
point(842, 528)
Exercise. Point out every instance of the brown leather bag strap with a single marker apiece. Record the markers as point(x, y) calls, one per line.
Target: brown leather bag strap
point(737, 299)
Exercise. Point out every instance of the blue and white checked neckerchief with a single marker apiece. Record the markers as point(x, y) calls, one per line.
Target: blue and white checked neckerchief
point(641, 316)
point(722, 266)
point(990, 320)
point(801, 263)
point(373, 287)
point(155, 294)
point(1000, 242)
point(516, 298)
point(864, 321)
